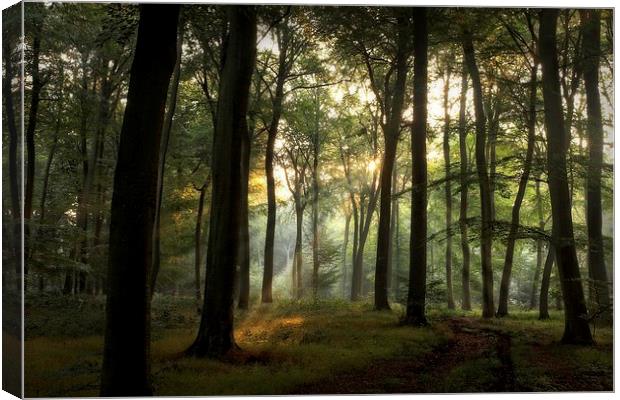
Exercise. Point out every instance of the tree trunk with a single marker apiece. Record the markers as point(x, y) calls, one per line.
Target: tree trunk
point(543, 304)
point(126, 355)
point(464, 178)
point(198, 247)
point(345, 245)
point(172, 103)
point(14, 169)
point(355, 270)
point(539, 246)
point(576, 328)
point(416, 297)
point(298, 258)
point(502, 309)
point(448, 191)
point(35, 96)
point(244, 233)
point(599, 285)
point(215, 335)
point(391, 133)
point(315, 209)
point(483, 178)
point(272, 132)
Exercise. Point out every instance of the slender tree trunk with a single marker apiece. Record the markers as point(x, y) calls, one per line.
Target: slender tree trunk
point(167, 129)
point(198, 247)
point(315, 211)
point(298, 260)
point(215, 335)
point(391, 133)
point(35, 96)
point(345, 245)
point(576, 329)
point(272, 132)
point(543, 304)
point(416, 297)
point(244, 233)
point(448, 191)
point(14, 169)
point(126, 355)
point(599, 285)
point(539, 246)
point(502, 309)
point(483, 178)
point(466, 299)
point(355, 273)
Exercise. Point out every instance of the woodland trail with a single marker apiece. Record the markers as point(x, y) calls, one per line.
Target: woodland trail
point(475, 359)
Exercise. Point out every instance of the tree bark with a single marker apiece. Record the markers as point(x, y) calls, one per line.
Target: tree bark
point(14, 169)
point(272, 132)
point(165, 140)
point(448, 190)
point(126, 355)
point(543, 304)
point(464, 180)
point(198, 247)
point(244, 233)
point(483, 178)
point(599, 285)
point(539, 246)
point(576, 328)
point(502, 309)
point(390, 133)
point(35, 96)
point(416, 297)
point(345, 245)
point(215, 335)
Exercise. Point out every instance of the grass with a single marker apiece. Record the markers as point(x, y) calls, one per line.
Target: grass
point(285, 345)
point(288, 345)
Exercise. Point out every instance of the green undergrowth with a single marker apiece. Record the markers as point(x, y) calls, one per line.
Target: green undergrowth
point(284, 345)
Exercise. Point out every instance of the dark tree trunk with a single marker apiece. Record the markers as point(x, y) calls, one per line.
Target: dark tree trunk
point(448, 191)
point(126, 355)
point(416, 297)
point(576, 329)
point(539, 246)
point(345, 246)
point(315, 208)
point(198, 247)
point(599, 285)
point(215, 335)
point(502, 309)
point(391, 133)
point(14, 169)
point(355, 270)
point(543, 304)
point(165, 139)
point(298, 257)
point(244, 232)
point(464, 180)
point(272, 132)
point(390, 269)
point(483, 178)
point(35, 96)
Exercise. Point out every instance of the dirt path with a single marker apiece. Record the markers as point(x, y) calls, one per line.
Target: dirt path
point(475, 359)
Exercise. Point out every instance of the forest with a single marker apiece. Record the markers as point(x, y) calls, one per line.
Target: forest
point(211, 199)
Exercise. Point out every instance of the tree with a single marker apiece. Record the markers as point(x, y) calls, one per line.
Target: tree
point(416, 297)
point(576, 328)
point(599, 289)
point(215, 334)
point(126, 364)
point(464, 181)
point(483, 178)
point(393, 107)
point(448, 186)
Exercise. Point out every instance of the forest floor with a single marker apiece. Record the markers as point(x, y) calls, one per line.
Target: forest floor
point(324, 348)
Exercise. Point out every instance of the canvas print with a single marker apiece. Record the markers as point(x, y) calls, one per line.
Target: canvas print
point(208, 200)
